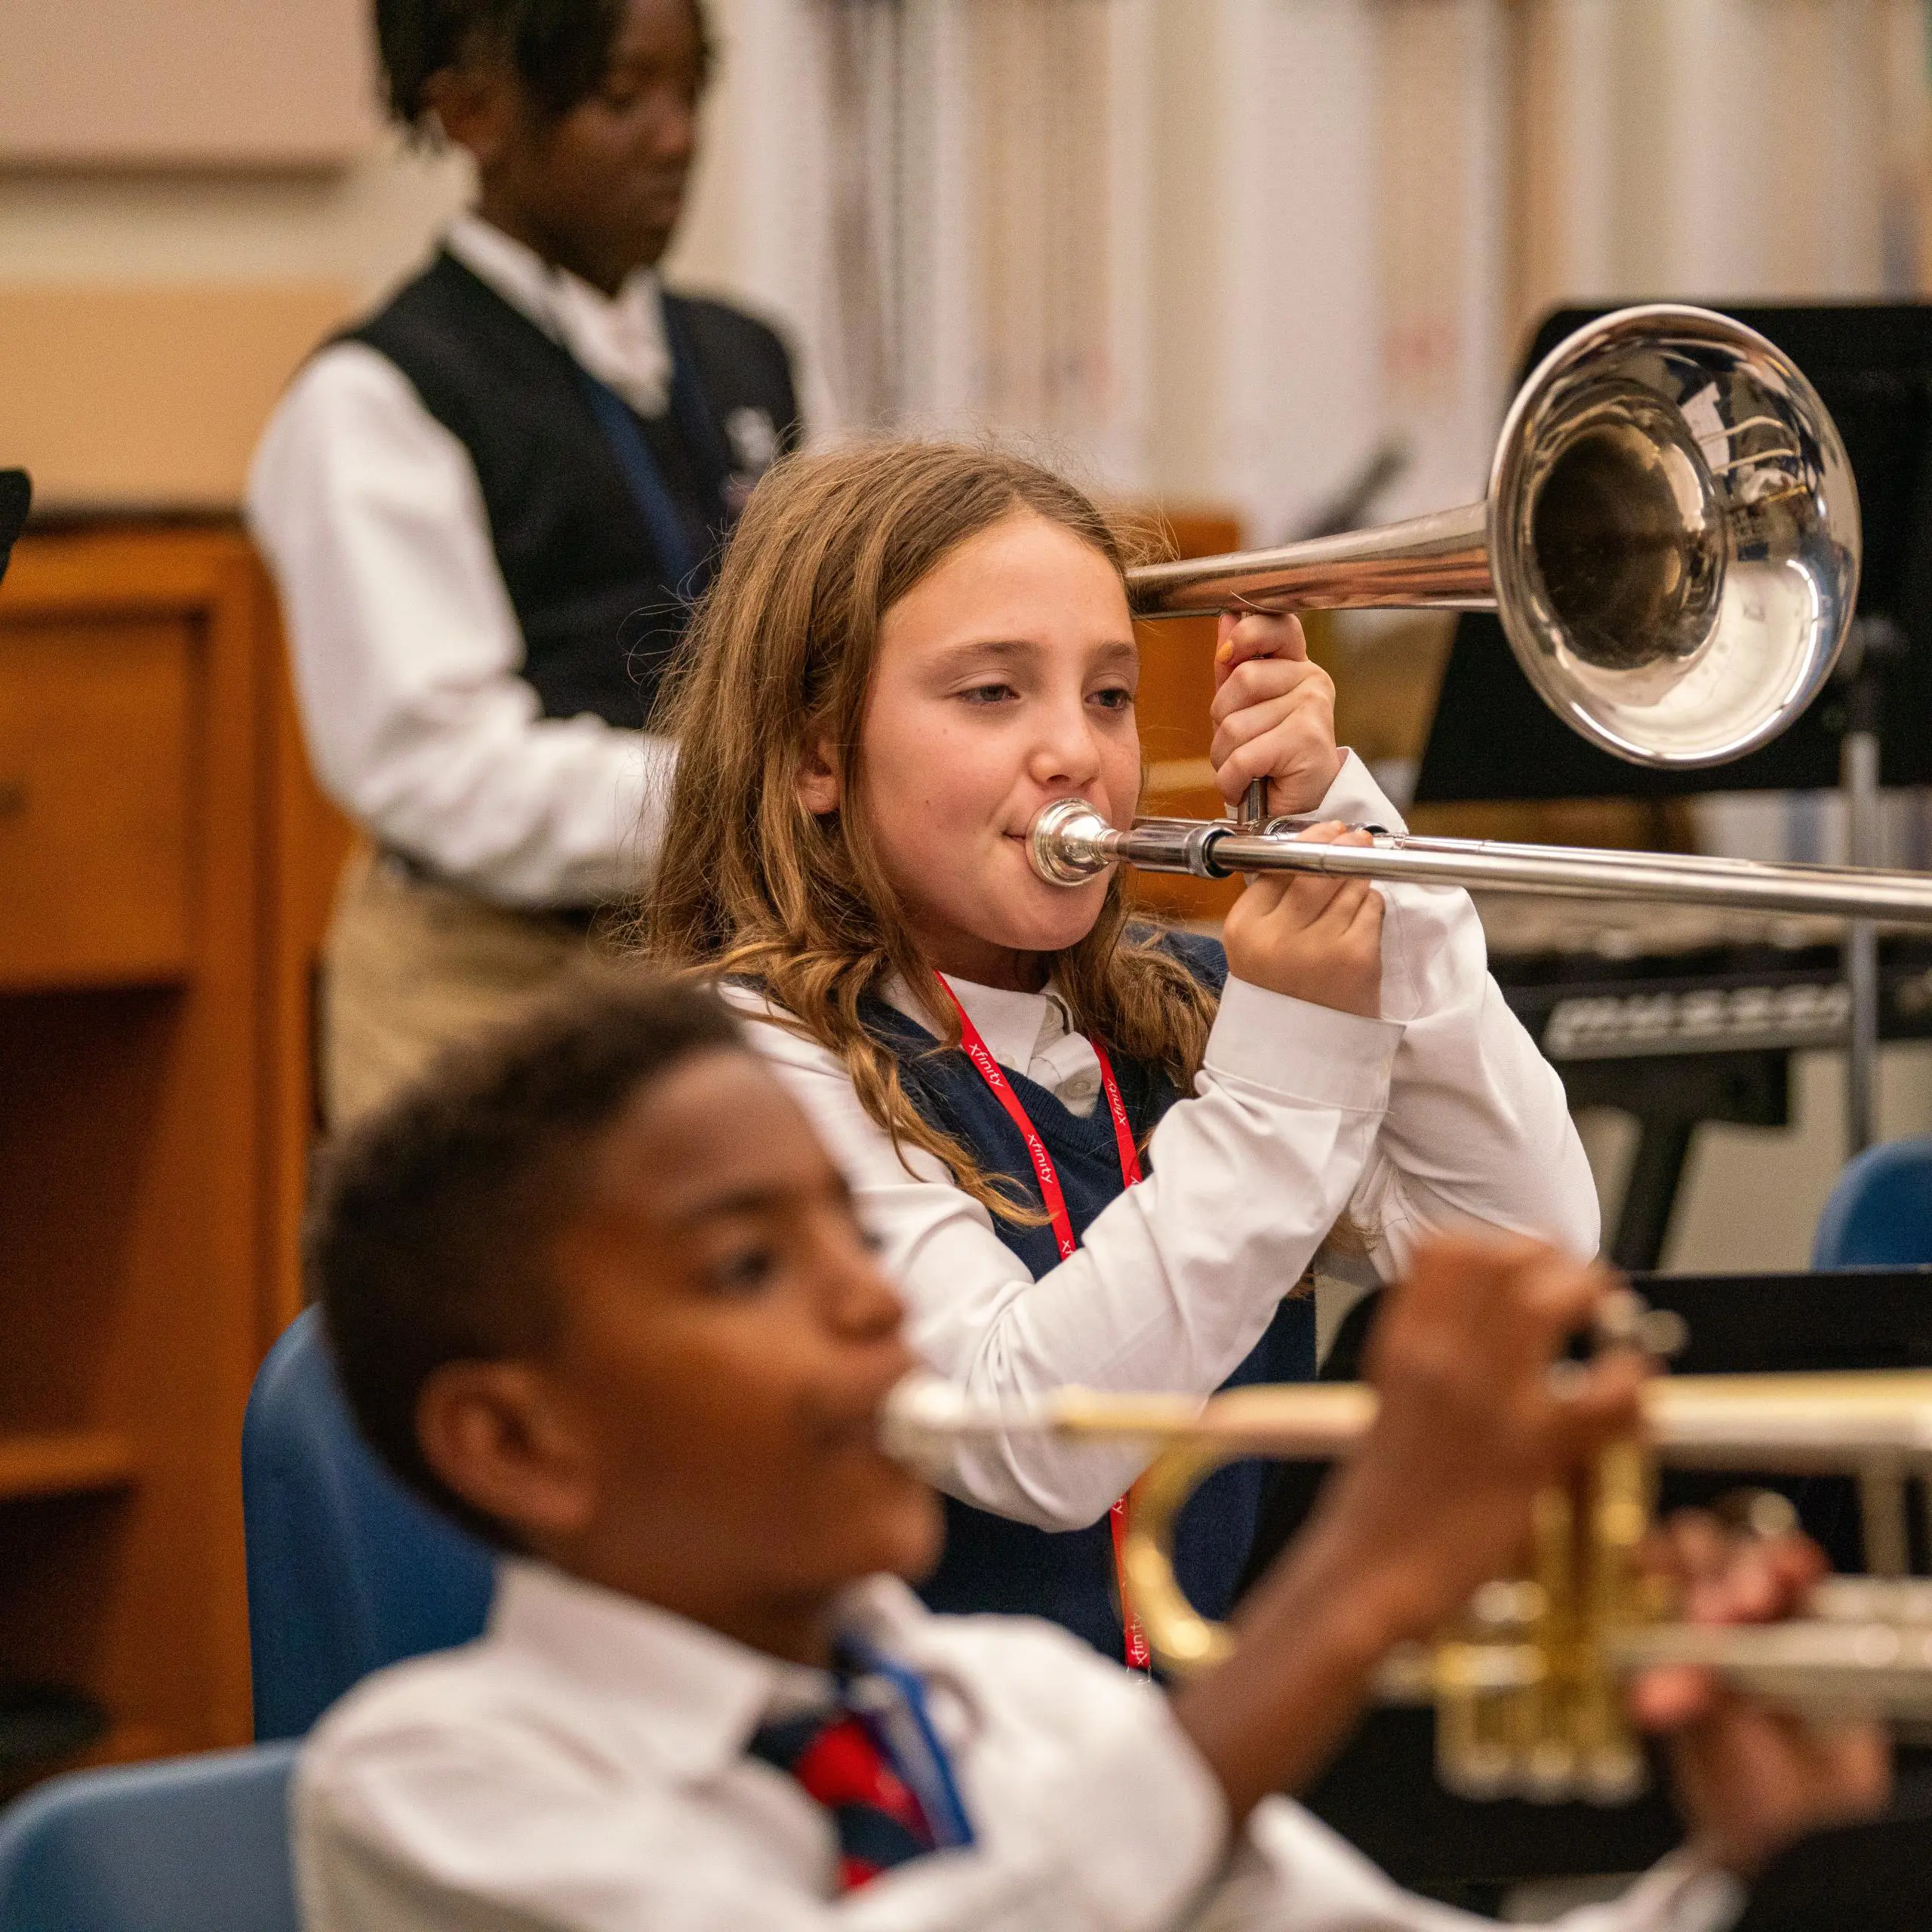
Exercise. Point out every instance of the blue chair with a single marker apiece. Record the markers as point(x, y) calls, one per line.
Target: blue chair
point(347, 1571)
point(1880, 1212)
point(189, 1845)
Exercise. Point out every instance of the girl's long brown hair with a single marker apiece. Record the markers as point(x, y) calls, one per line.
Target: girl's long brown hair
point(779, 658)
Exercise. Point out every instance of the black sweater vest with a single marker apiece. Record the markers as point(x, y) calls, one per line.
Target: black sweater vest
point(600, 615)
point(992, 1563)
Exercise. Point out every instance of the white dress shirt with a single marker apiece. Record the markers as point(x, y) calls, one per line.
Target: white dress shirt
point(1441, 1111)
point(582, 1767)
point(406, 647)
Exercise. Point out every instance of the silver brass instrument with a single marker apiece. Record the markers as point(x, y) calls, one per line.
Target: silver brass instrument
point(1671, 539)
point(1526, 1685)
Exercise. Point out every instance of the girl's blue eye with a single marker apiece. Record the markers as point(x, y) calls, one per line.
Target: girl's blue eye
point(1115, 697)
point(987, 694)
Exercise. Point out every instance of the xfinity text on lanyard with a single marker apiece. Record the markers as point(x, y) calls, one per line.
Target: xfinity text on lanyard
point(1139, 1657)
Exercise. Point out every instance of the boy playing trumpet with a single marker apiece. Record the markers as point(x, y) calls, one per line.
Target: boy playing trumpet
point(601, 1293)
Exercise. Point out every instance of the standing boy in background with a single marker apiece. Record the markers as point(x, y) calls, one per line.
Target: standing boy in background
point(489, 508)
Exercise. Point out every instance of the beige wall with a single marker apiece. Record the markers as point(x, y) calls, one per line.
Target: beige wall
point(1607, 206)
point(238, 82)
point(149, 320)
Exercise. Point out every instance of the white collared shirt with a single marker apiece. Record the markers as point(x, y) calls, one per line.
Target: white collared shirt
point(405, 646)
point(1441, 1111)
point(620, 339)
point(583, 1768)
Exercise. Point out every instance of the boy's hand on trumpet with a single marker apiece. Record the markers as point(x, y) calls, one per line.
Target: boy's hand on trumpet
point(1477, 1412)
point(1748, 1780)
point(1472, 1422)
point(1476, 1417)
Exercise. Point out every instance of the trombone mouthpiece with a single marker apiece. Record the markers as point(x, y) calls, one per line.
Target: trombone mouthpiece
point(1068, 843)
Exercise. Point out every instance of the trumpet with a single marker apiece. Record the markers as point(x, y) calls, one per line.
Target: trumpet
point(1671, 539)
point(1526, 1684)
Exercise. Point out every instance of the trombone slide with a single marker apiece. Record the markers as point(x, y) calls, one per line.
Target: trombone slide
point(1071, 843)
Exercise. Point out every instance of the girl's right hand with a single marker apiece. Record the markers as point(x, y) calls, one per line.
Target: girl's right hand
point(1309, 937)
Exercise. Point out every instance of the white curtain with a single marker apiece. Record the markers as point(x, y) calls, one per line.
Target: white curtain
point(980, 213)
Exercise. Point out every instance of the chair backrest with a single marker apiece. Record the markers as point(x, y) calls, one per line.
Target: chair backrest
point(347, 1571)
point(189, 1845)
point(1880, 1212)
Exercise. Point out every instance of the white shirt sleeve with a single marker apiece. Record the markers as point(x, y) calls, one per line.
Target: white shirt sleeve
point(1292, 1874)
point(1175, 1283)
point(407, 652)
point(1478, 1128)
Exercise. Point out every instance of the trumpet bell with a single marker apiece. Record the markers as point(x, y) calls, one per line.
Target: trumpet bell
point(1673, 536)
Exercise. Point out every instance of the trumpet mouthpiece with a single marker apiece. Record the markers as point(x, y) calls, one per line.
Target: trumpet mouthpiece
point(924, 1415)
point(921, 1415)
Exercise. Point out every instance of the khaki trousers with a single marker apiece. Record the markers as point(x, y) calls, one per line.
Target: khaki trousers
point(411, 967)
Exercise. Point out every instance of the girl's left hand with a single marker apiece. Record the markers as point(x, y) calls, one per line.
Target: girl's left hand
point(1274, 714)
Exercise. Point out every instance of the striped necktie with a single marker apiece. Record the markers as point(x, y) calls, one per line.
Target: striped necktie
point(836, 1760)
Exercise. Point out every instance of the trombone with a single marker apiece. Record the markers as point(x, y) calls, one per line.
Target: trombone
point(1671, 539)
point(1525, 1685)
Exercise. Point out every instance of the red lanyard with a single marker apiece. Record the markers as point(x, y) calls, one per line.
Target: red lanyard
point(1139, 1657)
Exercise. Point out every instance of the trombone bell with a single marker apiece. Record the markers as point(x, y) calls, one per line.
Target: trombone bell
point(1670, 538)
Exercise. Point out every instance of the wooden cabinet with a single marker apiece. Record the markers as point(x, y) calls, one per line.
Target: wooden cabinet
point(94, 747)
point(154, 1107)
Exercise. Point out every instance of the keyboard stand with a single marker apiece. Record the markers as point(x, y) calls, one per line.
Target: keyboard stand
point(1669, 1097)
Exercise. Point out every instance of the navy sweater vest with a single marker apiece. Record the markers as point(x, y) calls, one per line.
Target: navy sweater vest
point(599, 614)
point(992, 1563)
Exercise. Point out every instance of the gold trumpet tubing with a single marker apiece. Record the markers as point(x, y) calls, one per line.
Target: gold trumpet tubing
point(1070, 843)
point(1793, 1425)
point(1608, 1764)
point(926, 1415)
point(1790, 1424)
point(1877, 1668)
point(1526, 1685)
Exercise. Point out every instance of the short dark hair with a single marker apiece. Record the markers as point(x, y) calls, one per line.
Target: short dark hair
point(560, 50)
point(424, 1244)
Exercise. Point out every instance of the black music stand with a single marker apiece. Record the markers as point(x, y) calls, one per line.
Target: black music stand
point(1492, 738)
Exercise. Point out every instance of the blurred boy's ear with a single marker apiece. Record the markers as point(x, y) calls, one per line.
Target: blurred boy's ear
point(818, 780)
point(492, 1431)
point(477, 105)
